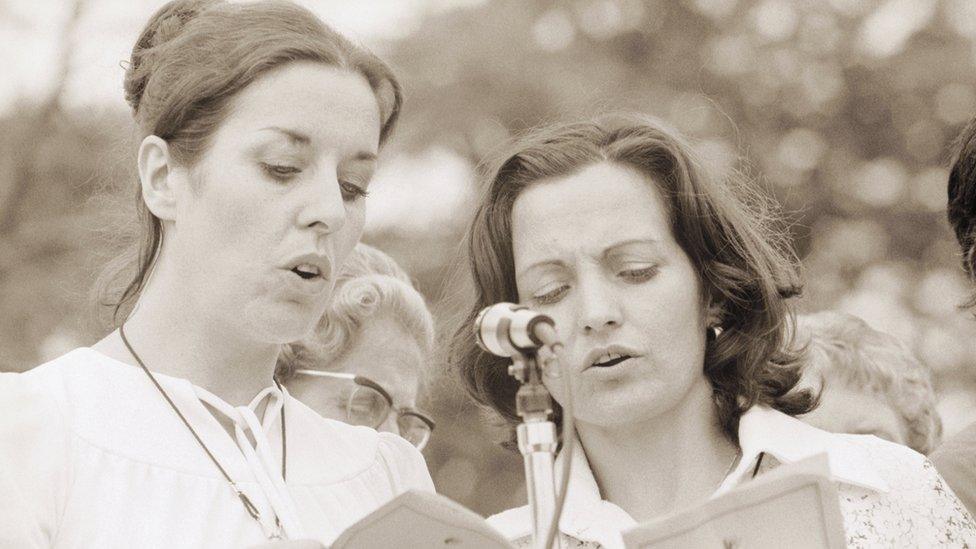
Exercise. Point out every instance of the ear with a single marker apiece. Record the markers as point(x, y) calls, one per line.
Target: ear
point(156, 174)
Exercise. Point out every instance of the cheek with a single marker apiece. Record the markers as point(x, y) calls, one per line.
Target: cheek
point(351, 231)
point(246, 216)
point(673, 310)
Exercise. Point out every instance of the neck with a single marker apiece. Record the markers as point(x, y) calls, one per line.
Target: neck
point(664, 464)
point(175, 338)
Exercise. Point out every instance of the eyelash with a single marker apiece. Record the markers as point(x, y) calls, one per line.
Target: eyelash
point(639, 275)
point(631, 275)
point(552, 296)
point(284, 173)
point(279, 171)
point(354, 191)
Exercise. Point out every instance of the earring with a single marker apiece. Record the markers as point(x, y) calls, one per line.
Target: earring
point(712, 332)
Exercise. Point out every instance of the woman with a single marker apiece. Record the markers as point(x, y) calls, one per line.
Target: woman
point(262, 128)
point(366, 360)
point(670, 292)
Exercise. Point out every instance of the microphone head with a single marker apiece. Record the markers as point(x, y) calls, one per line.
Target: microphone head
point(491, 329)
point(505, 329)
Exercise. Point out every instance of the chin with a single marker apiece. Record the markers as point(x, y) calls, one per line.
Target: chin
point(280, 324)
point(628, 405)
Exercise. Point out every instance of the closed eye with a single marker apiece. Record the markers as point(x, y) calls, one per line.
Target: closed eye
point(280, 172)
point(551, 296)
point(352, 192)
point(639, 275)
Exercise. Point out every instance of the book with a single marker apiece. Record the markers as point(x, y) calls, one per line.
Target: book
point(421, 520)
point(794, 505)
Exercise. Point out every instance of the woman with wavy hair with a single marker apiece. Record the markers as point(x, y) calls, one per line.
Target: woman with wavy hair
point(368, 356)
point(670, 289)
point(261, 128)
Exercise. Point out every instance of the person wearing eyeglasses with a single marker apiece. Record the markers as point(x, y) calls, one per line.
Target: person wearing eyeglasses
point(365, 361)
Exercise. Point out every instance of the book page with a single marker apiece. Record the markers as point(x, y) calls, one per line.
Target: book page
point(421, 520)
point(793, 506)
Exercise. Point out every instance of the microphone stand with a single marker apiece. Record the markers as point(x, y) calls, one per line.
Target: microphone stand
point(537, 442)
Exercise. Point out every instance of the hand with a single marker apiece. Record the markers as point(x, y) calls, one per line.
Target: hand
point(289, 544)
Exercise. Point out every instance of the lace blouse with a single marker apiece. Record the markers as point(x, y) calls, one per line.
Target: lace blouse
point(890, 496)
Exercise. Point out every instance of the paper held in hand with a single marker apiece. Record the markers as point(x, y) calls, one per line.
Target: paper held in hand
point(793, 506)
point(421, 520)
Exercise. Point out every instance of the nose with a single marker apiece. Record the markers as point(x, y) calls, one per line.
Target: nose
point(323, 210)
point(598, 309)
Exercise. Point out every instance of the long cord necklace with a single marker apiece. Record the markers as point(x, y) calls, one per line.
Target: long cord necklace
point(248, 505)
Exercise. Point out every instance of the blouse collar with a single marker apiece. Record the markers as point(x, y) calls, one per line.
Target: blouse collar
point(588, 517)
point(765, 430)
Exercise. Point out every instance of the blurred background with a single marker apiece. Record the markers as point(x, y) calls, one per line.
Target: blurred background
point(844, 109)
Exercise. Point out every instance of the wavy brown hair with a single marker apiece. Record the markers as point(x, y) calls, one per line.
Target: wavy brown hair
point(726, 226)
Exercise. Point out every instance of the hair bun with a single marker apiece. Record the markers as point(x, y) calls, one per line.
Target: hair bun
point(162, 27)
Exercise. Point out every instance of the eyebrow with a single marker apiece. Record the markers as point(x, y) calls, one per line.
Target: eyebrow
point(299, 138)
point(295, 137)
point(607, 252)
point(628, 242)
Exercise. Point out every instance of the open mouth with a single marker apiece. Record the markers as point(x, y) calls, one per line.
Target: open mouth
point(306, 271)
point(610, 359)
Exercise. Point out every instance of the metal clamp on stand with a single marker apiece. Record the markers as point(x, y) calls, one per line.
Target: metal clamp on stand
point(537, 442)
point(508, 330)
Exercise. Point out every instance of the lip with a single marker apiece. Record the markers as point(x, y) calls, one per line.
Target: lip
point(322, 262)
point(597, 352)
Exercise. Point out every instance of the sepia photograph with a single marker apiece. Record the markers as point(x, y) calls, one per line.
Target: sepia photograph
point(488, 274)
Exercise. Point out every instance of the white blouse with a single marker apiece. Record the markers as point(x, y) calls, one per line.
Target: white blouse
point(890, 495)
point(91, 455)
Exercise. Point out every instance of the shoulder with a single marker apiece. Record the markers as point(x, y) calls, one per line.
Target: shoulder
point(42, 407)
point(41, 390)
point(35, 453)
point(907, 473)
point(889, 493)
point(917, 508)
point(893, 462)
point(79, 371)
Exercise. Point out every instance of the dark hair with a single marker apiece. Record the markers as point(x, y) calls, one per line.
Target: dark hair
point(961, 207)
point(193, 57)
point(723, 225)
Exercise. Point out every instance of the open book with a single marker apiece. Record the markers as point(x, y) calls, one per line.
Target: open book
point(421, 520)
point(793, 506)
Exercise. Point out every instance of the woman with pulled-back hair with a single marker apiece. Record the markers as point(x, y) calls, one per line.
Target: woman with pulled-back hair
point(261, 128)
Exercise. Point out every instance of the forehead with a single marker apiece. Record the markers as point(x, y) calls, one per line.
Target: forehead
point(385, 352)
point(333, 107)
point(588, 210)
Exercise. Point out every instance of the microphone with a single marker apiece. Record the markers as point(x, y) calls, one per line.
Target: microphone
point(507, 329)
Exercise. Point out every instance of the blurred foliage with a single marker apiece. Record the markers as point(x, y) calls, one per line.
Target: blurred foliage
point(845, 110)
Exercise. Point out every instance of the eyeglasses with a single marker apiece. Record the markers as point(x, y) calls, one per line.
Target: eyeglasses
point(370, 404)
